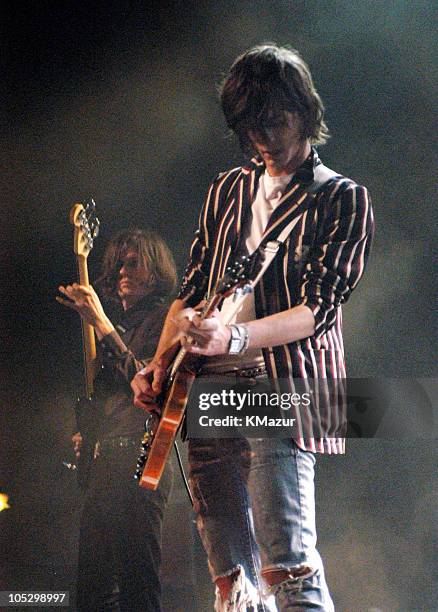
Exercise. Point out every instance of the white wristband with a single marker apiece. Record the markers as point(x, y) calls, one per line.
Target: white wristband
point(239, 339)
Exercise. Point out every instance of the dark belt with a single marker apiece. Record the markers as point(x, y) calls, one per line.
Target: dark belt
point(116, 443)
point(242, 373)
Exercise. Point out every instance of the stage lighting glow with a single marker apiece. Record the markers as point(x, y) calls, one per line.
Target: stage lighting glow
point(4, 502)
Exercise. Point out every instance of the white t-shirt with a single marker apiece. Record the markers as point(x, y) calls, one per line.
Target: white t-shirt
point(269, 193)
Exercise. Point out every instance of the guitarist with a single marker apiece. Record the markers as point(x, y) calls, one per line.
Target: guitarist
point(254, 498)
point(120, 532)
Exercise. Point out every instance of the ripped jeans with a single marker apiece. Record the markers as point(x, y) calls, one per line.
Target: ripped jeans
point(255, 507)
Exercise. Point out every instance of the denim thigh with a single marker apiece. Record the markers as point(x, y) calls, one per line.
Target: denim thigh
point(282, 494)
point(255, 506)
point(219, 470)
point(244, 485)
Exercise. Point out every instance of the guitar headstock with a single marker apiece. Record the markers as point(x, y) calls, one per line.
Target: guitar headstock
point(239, 273)
point(86, 226)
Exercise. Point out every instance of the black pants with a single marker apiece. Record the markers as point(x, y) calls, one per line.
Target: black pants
point(120, 537)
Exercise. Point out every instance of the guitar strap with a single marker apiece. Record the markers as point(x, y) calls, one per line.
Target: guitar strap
point(268, 250)
point(322, 175)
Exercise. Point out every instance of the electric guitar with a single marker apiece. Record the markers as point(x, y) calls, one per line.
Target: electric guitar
point(86, 228)
point(157, 443)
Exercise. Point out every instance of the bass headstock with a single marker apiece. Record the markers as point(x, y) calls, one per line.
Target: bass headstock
point(86, 226)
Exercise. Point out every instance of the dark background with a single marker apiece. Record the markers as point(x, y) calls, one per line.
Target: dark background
point(117, 100)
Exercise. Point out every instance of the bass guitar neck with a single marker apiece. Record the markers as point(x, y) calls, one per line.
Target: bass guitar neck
point(88, 337)
point(86, 226)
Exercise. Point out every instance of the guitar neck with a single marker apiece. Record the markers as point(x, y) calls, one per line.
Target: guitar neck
point(182, 356)
point(88, 337)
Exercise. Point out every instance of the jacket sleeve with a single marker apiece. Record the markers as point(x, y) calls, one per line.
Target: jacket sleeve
point(122, 362)
point(338, 258)
point(195, 279)
point(119, 359)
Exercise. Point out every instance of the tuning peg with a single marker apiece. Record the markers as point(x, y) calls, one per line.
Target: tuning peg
point(96, 227)
point(91, 206)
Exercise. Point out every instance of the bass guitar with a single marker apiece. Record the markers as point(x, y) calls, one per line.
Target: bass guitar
point(86, 228)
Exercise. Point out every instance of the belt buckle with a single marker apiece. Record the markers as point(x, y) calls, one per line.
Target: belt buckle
point(251, 372)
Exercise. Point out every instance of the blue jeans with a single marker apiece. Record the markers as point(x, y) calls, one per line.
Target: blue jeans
point(255, 507)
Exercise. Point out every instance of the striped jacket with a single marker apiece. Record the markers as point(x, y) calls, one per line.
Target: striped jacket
point(319, 265)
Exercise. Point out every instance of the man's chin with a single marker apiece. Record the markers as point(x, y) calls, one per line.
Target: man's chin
point(275, 166)
point(125, 293)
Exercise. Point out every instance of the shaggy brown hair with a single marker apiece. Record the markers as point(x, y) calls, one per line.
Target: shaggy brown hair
point(263, 84)
point(153, 255)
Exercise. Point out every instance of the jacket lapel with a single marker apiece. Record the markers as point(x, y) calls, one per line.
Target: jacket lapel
point(244, 195)
point(295, 201)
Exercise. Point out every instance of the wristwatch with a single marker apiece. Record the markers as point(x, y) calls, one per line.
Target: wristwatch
point(239, 339)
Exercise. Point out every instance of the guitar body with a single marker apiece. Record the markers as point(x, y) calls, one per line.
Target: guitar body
point(156, 445)
point(174, 407)
point(84, 463)
point(87, 421)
